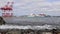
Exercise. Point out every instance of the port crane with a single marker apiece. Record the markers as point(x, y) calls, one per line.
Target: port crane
point(7, 6)
point(7, 9)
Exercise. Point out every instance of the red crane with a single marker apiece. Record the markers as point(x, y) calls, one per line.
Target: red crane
point(7, 7)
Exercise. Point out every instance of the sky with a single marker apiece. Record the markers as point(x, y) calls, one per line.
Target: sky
point(26, 7)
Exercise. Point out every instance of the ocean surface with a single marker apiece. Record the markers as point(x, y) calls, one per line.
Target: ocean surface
point(32, 20)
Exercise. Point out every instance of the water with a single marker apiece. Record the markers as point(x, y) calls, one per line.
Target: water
point(33, 20)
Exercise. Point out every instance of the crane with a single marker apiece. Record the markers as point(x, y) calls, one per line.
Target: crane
point(7, 9)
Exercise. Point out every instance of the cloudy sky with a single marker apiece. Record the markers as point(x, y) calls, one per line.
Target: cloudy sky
point(23, 7)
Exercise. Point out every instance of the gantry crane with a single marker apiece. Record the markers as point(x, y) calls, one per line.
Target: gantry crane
point(7, 9)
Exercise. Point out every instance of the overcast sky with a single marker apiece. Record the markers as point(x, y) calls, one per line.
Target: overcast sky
point(23, 7)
